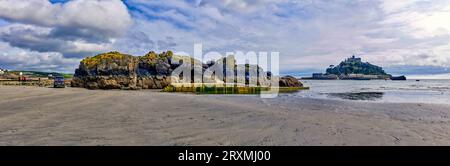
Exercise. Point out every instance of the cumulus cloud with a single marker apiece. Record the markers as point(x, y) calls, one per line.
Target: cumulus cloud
point(108, 17)
point(74, 29)
point(297, 29)
point(20, 59)
point(40, 39)
point(419, 18)
point(309, 34)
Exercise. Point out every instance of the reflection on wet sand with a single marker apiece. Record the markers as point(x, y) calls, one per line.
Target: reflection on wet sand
point(358, 96)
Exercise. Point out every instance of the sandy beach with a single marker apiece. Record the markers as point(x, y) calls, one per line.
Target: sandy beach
point(75, 116)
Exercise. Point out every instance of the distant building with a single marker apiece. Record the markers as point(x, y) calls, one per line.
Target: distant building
point(320, 76)
point(353, 59)
point(2, 71)
point(317, 75)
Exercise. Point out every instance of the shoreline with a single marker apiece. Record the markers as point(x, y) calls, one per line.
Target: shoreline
point(77, 116)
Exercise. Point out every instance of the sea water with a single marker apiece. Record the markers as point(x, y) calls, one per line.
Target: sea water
point(410, 91)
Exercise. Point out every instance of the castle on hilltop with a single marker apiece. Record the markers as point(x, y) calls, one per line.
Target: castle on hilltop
point(354, 68)
point(353, 58)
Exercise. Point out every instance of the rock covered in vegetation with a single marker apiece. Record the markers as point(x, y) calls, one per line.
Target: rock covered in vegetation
point(114, 70)
point(354, 65)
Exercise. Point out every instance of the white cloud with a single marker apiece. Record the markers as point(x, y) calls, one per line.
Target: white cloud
point(19, 59)
point(108, 16)
point(309, 34)
point(76, 28)
point(40, 39)
point(418, 18)
point(390, 6)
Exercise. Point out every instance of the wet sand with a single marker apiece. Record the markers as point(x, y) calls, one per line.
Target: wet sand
point(74, 116)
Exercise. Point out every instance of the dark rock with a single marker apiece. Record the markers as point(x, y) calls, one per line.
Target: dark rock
point(114, 70)
point(289, 81)
point(399, 78)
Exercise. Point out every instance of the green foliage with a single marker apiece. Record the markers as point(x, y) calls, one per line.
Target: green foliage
point(67, 75)
point(169, 54)
point(105, 57)
point(151, 58)
point(154, 56)
point(352, 66)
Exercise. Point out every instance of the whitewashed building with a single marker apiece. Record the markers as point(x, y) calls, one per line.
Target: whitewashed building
point(2, 71)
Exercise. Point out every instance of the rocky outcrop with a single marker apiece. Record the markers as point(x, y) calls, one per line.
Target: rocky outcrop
point(289, 81)
point(114, 70)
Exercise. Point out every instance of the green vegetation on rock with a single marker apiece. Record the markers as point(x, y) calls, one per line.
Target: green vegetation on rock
point(152, 58)
point(355, 66)
point(114, 70)
point(105, 57)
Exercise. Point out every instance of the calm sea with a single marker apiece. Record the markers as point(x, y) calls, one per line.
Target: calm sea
point(410, 91)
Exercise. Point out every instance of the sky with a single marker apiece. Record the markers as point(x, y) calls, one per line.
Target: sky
point(410, 37)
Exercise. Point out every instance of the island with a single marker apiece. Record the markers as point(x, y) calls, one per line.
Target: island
point(354, 68)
